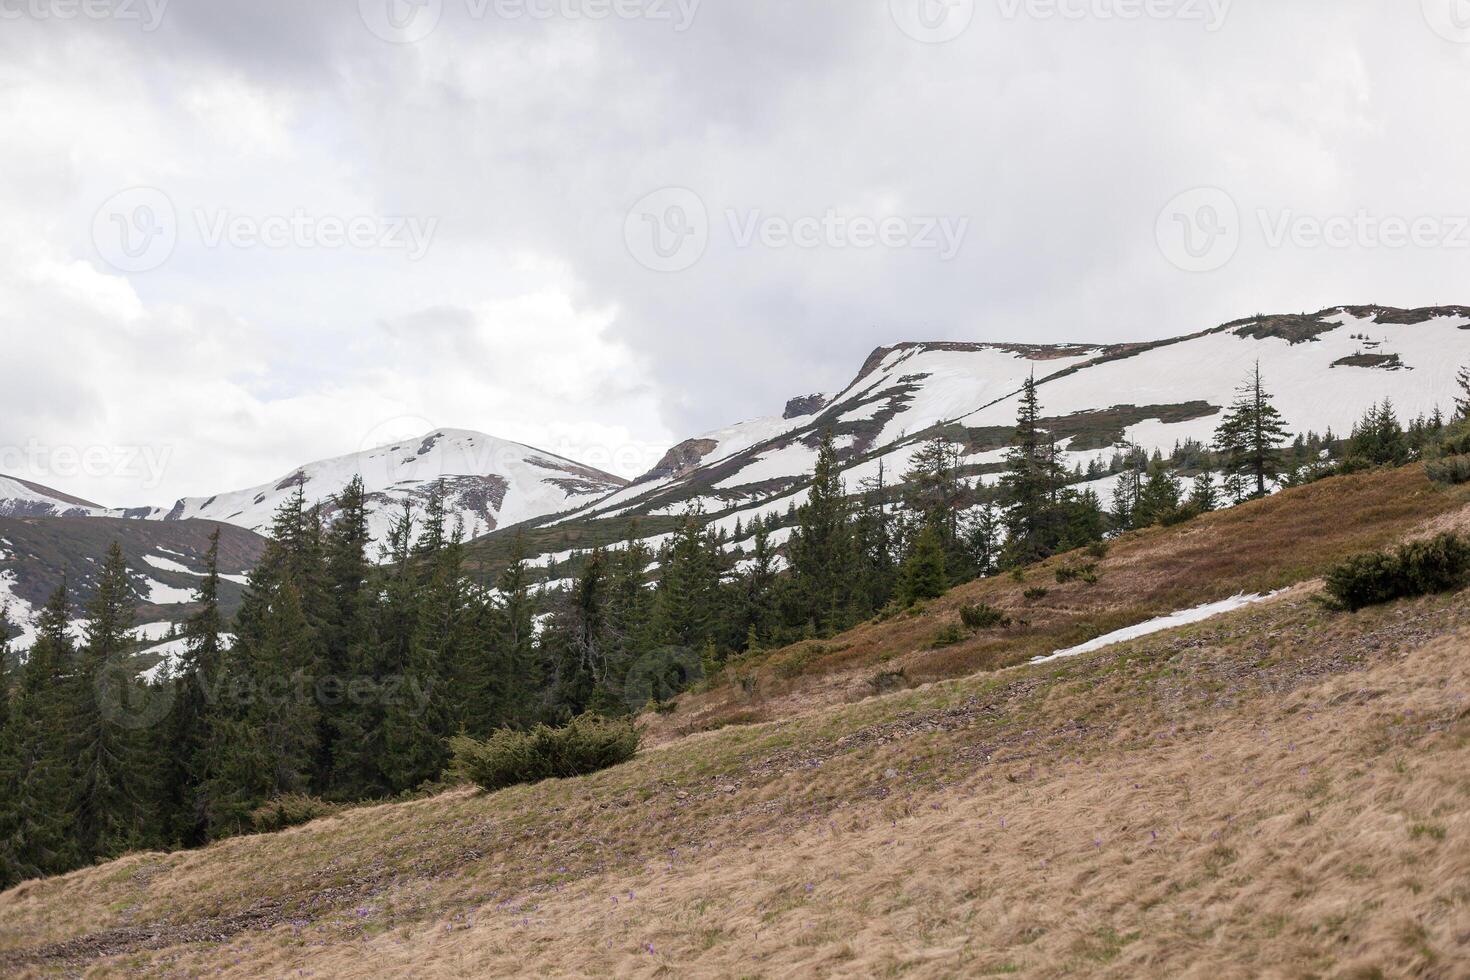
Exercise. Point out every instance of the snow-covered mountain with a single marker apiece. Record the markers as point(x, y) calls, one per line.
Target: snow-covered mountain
point(22, 498)
point(1324, 369)
point(489, 483)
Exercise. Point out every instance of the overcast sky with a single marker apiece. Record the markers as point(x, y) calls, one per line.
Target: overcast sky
point(235, 237)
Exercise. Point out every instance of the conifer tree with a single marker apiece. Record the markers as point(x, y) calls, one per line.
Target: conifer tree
point(347, 761)
point(37, 797)
point(113, 791)
point(983, 539)
point(820, 549)
point(1158, 502)
point(510, 627)
point(1462, 398)
point(1203, 496)
point(758, 588)
point(1030, 486)
point(196, 679)
point(1251, 433)
point(923, 575)
point(1378, 439)
point(873, 546)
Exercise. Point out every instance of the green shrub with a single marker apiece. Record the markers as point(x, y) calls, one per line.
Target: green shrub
point(1440, 564)
point(948, 636)
point(981, 616)
point(1449, 469)
point(1071, 573)
point(1098, 549)
point(1036, 592)
point(289, 811)
point(508, 758)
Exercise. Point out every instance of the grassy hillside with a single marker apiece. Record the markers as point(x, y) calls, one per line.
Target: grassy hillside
point(1282, 791)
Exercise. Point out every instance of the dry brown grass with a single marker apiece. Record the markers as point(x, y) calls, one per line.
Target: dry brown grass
point(1279, 792)
point(1259, 547)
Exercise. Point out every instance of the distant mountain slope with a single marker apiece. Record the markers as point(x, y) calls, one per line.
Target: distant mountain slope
point(1324, 369)
point(22, 498)
point(165, 559)
point(490, 483)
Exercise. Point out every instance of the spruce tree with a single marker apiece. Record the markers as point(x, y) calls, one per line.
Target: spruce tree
point(113, 788)
point(1030, 486)
point(820, 550)
point(1251, 433)
point(348, 762)
point(1203, 496)
point(1462, 398)
point(1158, 502)
point(923, 575)
point(196, 679)
point(983, 539)
point(37, 779)
point(758, 588)
point(510, 640)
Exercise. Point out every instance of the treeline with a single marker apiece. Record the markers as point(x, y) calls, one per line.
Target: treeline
point(344, 678)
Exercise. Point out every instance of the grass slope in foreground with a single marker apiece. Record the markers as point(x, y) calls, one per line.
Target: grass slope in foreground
point(1281, 791)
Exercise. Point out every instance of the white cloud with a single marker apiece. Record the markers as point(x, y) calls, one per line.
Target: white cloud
point(525, 142)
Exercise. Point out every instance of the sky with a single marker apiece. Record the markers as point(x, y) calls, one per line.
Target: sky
point(237, 237)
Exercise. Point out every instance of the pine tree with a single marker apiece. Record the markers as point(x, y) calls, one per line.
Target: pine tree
point(873, 549)
point(1378, 439)
point(10, 871)
point(430, 703)
point(350, 756)
point(923, 575)
point(198, 673)
point(1203, 496)
point(113, 792)
point(1030, 486)
point(932, 486)
point(758, 588)
point(37, 796)
point(983, 539)
point(820, 550)
point(1251, 434)
point(510, 639)
point(1158, 502)
point(1462, 399)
